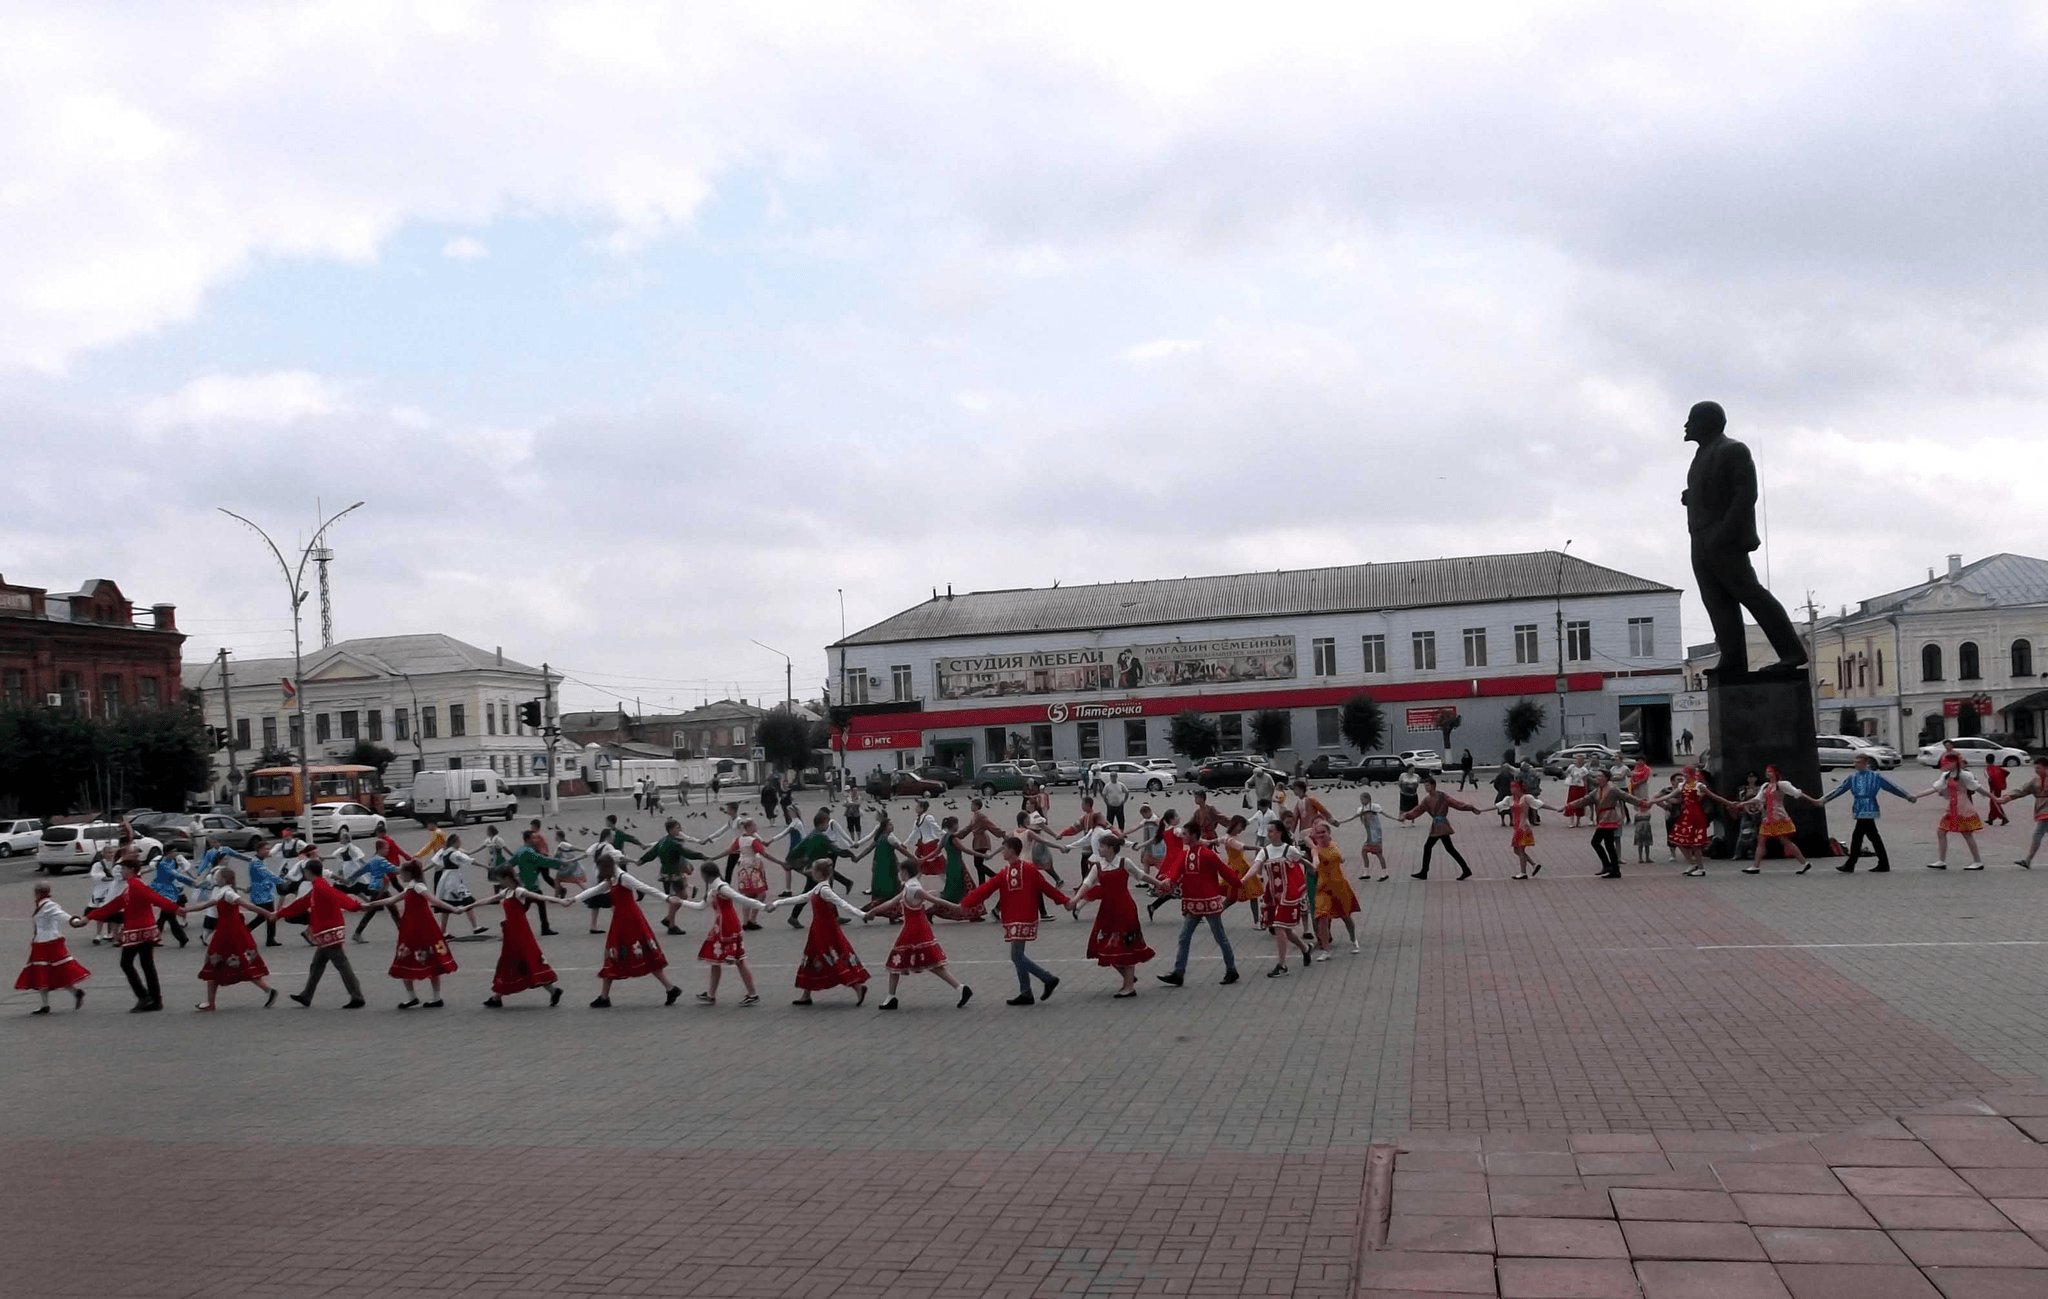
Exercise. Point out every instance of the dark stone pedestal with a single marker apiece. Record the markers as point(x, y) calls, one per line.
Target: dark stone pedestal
point(1755, 721)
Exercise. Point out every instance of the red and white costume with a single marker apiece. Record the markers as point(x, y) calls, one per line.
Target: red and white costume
point(422, 947)
point(1957, 786)
point(725, 944)
point(829, 960)
point(630, 949)
point(50, 963)
point(1020, 886)
point(1691, 830)
point(928, 842)
point(917, 948)
point(1286, 889)
point(1207, 887)
point(1118, 938)
point(521, 966)
point(1774, 821)
point(137, 905)
point(322, 904)
point(1518, 807)
point(750, 876)
point(231, 955)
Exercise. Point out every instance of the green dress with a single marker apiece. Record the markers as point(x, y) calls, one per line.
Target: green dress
point(956, 873)
point(884, 884)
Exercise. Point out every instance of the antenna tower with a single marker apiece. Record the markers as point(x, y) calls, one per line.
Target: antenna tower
point(321, 555)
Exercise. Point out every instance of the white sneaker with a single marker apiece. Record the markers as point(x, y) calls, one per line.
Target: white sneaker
point(1354, 949)
point(1974, 866)
point(1322, 956)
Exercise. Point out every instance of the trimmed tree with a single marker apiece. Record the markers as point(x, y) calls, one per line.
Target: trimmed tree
point(1851, 724)
point(1523, 719)
point(1447, 720)
point(786, 738)
point(1362, 723)
point(1193, 736)
point(367, 754)
point(1272, 731)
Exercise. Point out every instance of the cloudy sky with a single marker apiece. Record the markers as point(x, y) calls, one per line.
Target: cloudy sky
point(645, 330)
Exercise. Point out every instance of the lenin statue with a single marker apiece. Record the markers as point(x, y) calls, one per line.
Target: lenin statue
point(1720, 512)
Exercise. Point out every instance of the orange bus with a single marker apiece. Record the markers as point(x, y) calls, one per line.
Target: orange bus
point(271, 796)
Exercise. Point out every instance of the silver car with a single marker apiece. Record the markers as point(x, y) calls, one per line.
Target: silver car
point(1838, 751)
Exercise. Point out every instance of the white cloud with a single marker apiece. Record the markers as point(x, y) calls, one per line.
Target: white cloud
point(1161, 348)
point(281, 397)
point(464, 248)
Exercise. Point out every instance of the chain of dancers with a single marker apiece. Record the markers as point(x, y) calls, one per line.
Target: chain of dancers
point(1281, 860)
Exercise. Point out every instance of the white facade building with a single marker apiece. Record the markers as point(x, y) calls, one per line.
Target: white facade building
point(1099, 671)
point(435, 701)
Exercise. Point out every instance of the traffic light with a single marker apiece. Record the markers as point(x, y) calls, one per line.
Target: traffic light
point(216, 737)
point(529, 713)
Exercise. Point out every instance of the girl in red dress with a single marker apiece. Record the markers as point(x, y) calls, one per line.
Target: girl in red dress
point(829, 961)
point(521, 967)
point(1956, 787)
point(1286, 880)
point(422, 947)
point(917, 948)
point(231, 956)
point(50, 963)
point(630, 949)
point(1117, 941)
point(725, 944)
point(1689, 836)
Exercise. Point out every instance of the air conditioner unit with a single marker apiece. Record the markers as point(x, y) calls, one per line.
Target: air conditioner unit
point(54, 701)
point(875, 681)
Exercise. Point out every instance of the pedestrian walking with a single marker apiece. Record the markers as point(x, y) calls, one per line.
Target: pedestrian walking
point(1863, 785)
point(829, 960)
point(51, 966)
point(1465, 770)
point(1410, 784)
point(1685, 740)
point(630, 949)
point(1438, 806)
point(1117, 939)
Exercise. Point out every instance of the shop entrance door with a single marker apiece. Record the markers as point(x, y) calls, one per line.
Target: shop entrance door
point(957, 754)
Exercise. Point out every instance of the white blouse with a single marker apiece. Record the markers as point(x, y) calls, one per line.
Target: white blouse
point(50, 920)
point(825, 891)
point(619, 877)
point(722, 889)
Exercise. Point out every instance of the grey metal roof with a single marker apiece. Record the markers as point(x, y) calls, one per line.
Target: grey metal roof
point(420, 655)
point(2005, 579)
point(1411, 584)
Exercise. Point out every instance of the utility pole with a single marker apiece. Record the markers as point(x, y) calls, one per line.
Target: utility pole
point(550, 804)
point(227, 702)
point(1813, 653)
point(1561, 682)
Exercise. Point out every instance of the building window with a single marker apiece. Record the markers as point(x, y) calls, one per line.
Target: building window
point(148, 692)
point(899, 681)
point(376, 719)
point(1642, 638)
point(14, 686)
point(853, 688)
point(1327, 734)
point(739, 736)
point(490, 720)
point(454, 764)
point(1880, 669)
point(1966, 661)
point(72, 689)
point(349, 725)
point(1090, 734)
point(430, 723)
point(1135, 742)
point(1526, 648)
point(1375, 648)
point(1232, 727)
point(1930, 663)
point(505, 716)
point(1326, 655)
point(1041, 743)
point(241, 732)
point(110, 697)
point(1475, 647)
point(297, 729)
point(995, 744)
point(1422, 651)
point(269, 733)
point(401, 724)
point(458, 720)
point(493, 759)
point(322, 728)
point(2022, 659)
point(1578, 642)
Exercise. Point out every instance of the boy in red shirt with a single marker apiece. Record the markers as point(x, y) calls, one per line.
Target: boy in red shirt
point(322, 904)
point(1207, 888)
point(1020, 886)
point(137, 905)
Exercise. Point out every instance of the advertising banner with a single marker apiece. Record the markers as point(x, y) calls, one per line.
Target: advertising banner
point(1133, 667)
point(1423, 720)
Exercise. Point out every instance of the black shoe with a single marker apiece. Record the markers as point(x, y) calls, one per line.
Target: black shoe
point(40, 1010)
point(601, 1003)
point(302, 999)
point(1803, 869)
point(549, 933)
point(1229, 976)
point(409, 1005)
point(1050, 984)
point(1021, 999)
point(966, 993)
point(671, 928)
point(1277, 972)
point(141, 1008)
point(1609, 875)
point(270, 1000)
point(1176, 978)
point(554, 994)
point(433, 1005)
point(356, 1004)
point(673, 993)
point(1419, 875)
point(1880, 870)
point(1846, 870)
point(1464, 872)
point(494, 1003)
point(273, 943)
point(891, 1004)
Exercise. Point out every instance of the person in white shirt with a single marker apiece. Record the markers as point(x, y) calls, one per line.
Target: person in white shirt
point(104, 875)
point(51, 967)
point(1114, 795)
point(451, 886)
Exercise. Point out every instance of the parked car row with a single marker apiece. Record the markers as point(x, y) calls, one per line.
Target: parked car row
point(1977, 751)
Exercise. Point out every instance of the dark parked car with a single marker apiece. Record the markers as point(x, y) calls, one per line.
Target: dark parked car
point(902, 784)
point(1326, 767)
point(948, 776)
point(1231, 773)
point(398, 802)
point(187, 832)
point(1378, 768)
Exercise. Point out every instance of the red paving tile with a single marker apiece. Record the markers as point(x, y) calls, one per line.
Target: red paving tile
point(1934, 1213)
point(1989, 1282)
point(1558, 1238)
point(1767, 1210)
point(1855, 1281)
point(1780, 1179)
point(1439, 1234)
point(1675, 1206)
point(2027, 1215)
point(1552, 1278)
point(1867, 1152)
point(1446, 1204)
point(1691, 1240)
point(1828, 1245)
point(1990, 1154)
point(1551, 1204)
point(2025, 1183)
point(1698, 1280)
point(1972, 1249)
point(1446, 1273)
point(1902, 1181)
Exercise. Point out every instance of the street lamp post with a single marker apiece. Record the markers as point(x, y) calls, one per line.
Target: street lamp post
point(1561, 683)
point(294, 580)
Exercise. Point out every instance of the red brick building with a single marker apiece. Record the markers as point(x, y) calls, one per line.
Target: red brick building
point(84, 649)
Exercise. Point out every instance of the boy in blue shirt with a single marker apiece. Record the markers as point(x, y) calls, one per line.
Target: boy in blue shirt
point(1863, 786)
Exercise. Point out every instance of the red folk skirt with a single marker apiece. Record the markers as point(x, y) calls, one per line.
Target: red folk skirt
point(931, 858)
point(521, 967)
point(232, 956)
point(1691, 830)
point(917, 948)
point(725, 943)
point(829, 961)
point(751, 879)
point(422, 947)
point(50, 967)
point(630, 949)
point(1118, 940)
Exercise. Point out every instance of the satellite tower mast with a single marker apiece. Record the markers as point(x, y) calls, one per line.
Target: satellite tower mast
point(322, 554)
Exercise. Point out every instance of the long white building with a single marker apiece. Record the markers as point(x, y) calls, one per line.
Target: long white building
point(1090, 672)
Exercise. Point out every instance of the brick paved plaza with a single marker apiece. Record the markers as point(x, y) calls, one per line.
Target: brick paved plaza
point(1594, 1088)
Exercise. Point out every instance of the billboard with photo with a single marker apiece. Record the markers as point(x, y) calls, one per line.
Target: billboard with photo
point(1133, 667)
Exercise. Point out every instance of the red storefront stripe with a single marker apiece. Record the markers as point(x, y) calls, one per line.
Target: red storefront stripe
point(1078, 710)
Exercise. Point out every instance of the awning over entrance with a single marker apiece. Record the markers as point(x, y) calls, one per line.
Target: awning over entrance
point(2032, 703)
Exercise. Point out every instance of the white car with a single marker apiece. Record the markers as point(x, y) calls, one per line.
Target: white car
point(1839, 751)
point(1423, 759)
point(1976, 751)
point(66, 847)
point(19, 837)
point(1136, 778)
point(1884, 755)
point(329, 818)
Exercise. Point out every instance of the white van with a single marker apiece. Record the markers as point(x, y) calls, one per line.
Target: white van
point(459, 796)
